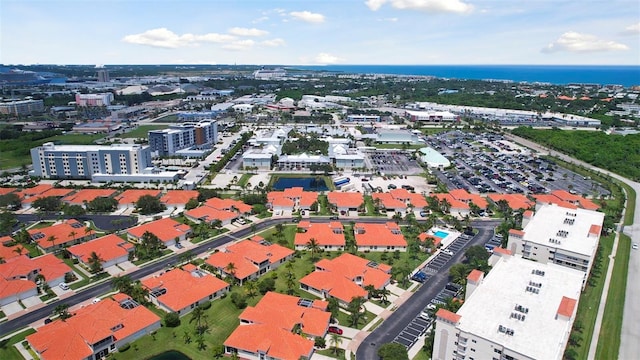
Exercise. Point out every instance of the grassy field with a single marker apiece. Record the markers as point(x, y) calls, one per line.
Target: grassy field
point(141, 131)
point(630, 211)
point(590, 300)
point(167, 119)
point(609, 340)
point(8, 351)
point(244, 179)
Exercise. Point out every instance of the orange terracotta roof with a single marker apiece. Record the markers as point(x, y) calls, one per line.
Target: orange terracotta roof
point(289, 197)
point(178, 197)
point(70, 230)
point(6, 240)
point(345, 199)
point(21, 266)
point(564, 97)
point(331, 234)
point(131, 196)
point(585, 98)
point(588, 204)
point(417, 200)
point(388, 234)
point(448, 315)
point(247, 255)
point(308, 198)
point(475, 275)
point(455, 204)
point(424, 236)
point(566, 196)
point(87, 195)
point(285, 311)
point(388, 201)
point(36, 190)
point(281, 202)
point(464, 196)
point(515, 201)
point(595, 229)
point(566, 307)
point(337, 276)
point(274, 342)
point(516, 232)
point(228, 204)
point(551, 199)
point(527, 214)
point(108, 248)
point(165, 229)
point(57, 192)
point(5, 191)
point(69, 339)
point(209, 214)
point(184, 287)
point(8, 252)
point(400, 194)
point(14, 287)
point(500, 250)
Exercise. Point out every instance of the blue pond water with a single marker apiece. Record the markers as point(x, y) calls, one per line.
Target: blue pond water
point(308, 183)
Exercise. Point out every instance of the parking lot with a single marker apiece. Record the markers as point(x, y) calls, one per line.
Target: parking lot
point(395, 162)
point(488, 163)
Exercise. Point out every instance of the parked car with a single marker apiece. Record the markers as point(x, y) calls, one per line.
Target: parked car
point(425, 314)
point(64, 286)
point(334, 217)
point(335, 330)
point(419, 277)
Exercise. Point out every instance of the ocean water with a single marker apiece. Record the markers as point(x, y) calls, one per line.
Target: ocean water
point(626, 75)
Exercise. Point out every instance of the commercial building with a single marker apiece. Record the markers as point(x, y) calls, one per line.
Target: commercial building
point(302, 161)
point(269, 74)
point(433, 158)
point(21, 107)
point(431, 116)
point(559, 235)
point(200, 135)
point(389, 136)
point(86, 161)
point(363, 118)
point(521, 310)
point(103, 99)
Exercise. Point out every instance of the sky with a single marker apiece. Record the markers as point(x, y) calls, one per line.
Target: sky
point(320, 32)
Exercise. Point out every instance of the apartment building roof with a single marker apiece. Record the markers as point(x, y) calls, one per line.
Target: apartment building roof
point(571, 229)
point(108, 248)
point(55, 192)
point(87, 195)
point(131, 196)
point(338, 276)
point(247, 255)
point(455, 204)
point(273, 341)
point(345, 199)
point(515, 201)
point(165, 229)
point(5, 191)
point(184, 286)
point(331, 234)
point(531, 295)
point(546, 199)
point(70, 339)
point(388, 234)
point(36, 190)
point(290, 196)
point(62, 233)
point(228, 204)
point(22, 266)
point(178, 197)
point(210, 214)
point(464, 196)
point(417, 200)
point(388, 201)
point(8, 252)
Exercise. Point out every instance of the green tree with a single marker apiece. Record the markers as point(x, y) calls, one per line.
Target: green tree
point(313, 246)
point(335, 340)
point(191, 204)
point(458, 273)
point(74, 210)
point(10, 201)
point(231, 270)
point(62, 311)
point(123, 284)
point(149, 204)
point(393, 351)
point(266, 284)
point(251, 286)
point(200, 318)
point(172, 319)
point(7, 222)
point(356, 310)
point(48, 204)
point(95, 263)
point(102, 205)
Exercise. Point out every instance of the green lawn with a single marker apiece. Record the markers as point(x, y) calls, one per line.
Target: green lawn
point(370, 206)
point(141, 131)
point(76, 139)
point(288, 235)
point(244, 179)
point(8, 351)
point(323, 206)
point(609, 338)
point(590, 300)
point(167, 119)
point(631, 201)
point(330, 352)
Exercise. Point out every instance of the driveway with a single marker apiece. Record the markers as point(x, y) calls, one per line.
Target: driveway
point(32, 301)
point(11, 308)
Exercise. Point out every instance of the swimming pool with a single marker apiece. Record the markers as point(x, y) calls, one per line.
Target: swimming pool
point(441, 234)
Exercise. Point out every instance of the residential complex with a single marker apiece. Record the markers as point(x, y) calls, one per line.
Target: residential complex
point(19, 276)
point(329, 237)
point(21, 107)
point(522, 309)
point(104, 99)
point(110, 249)
point(66, 233)
point(168, 231)
point(180, 138)
point(559, 235)
point(379, 237)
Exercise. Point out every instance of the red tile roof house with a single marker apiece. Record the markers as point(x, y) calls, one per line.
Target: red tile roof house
point(229, 205)
point(28, 195)
point(81, 197)
point(251, 259)
point(267, 330)
point(386, 203)
point(112, 249)
point(167, 230)
point(94, 330)
point(290, 200)
point(346, 203)
point(330, 237)
point(575, 199)
point(128, 198)
point(18, 276)
point(414, 200)
point(7, 252)
point(379, 237)
point(52, 192)
point(226, 211)
point(515, 201)
point(464, 196)
point(345, 277)
point(456, 207)
point(423, 237)
point(181, 290)
point(67, 233)
point(178, 198)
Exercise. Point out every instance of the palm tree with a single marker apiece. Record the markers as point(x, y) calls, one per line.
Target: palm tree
point(335, 340)
point(95, 262)
point(371, 291)
point(62, 311)
point(52, 239)
point(251, 286)
point(73, 234)
point(231, 270)
point(383, 294)
point(123, 284)
point(199, 316)
point(313, 246)
point(18, 250)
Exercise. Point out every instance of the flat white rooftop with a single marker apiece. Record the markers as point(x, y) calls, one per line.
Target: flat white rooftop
point(541, 335)
point(571, 227)
point(52, 147)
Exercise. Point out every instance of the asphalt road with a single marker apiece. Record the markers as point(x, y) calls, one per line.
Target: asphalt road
point(102, 288)
point(392, 326)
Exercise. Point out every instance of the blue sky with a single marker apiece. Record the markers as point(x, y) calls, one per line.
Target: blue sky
point(297, 32)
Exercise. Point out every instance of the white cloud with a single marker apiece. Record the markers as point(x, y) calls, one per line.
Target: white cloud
point(307, 16)
point(633, 29)
point(273, 42)
point(164, 38)
point(576, 42)
point(435, 6)
point(247, 32)
point(325, 58)
point(260, 19)
point(394, 19)
point(240, 45)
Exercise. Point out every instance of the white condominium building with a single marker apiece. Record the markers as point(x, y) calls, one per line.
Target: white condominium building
point(563, 236)
point(521, 310)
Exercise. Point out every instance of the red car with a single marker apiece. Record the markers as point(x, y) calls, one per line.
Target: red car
point(335, 330)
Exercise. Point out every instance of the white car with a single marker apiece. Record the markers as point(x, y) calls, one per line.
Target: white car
point(425, 315)
point(448, 252)
point(64, 286)
point(634, 246)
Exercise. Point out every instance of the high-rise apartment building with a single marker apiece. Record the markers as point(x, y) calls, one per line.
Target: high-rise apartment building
point(21, 107)
point(177, 137)
point(103, 75)
point(104, 99)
